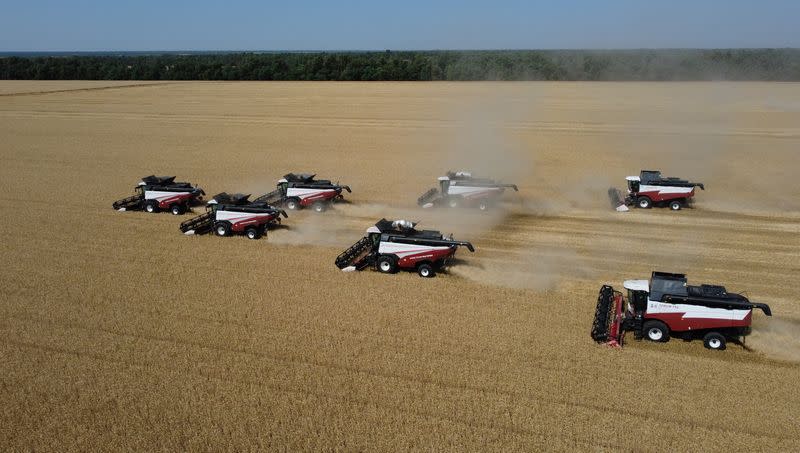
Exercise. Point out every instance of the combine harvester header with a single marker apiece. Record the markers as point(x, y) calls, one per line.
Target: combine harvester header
point(393, 245)
point(651, 189)
point(228, 214)
point(161, 193)
point(462, 189)
point(299, 190)
point(666, 305)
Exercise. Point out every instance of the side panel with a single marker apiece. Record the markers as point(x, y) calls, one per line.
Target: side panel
point(241, 220)
point(410, 254)
point(309, 196)
point(684, 317)
point(165, 199)
point(664, 193)
point(474, 192)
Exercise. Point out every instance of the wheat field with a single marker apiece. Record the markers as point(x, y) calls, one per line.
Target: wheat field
point(119, 333)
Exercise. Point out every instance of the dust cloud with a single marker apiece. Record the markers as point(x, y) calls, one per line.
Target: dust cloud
point(777, 338)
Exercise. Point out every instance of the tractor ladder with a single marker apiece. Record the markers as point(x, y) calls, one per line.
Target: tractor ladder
point(198, 225)
point(607, 325)
point(428, 197)
point(355, 255)
point(132, 202)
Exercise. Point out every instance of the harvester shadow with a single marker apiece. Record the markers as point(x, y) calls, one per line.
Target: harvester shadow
point(279, 227)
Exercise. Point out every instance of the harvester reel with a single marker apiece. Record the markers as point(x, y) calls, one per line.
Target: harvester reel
point(616, 199)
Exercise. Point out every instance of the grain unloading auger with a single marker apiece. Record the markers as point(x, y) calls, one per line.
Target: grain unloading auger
point(667, 306)
point(157, 193)
point(651, 189)
point(461, 189)
point(393, 245)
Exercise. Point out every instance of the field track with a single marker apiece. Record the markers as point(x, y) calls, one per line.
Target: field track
point(117, 332)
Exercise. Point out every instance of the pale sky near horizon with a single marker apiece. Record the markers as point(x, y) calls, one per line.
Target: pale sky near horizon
point(90, 25)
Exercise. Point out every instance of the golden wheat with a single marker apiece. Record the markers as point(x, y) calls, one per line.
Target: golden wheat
point(118, 332)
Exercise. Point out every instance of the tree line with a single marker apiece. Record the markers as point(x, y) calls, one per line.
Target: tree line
point(620, 65)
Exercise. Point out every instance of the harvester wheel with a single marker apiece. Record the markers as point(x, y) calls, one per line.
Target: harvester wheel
point(151, 207)
point(714, 340)
point(253, 233)
point(222, 229)
point(644, 203)
point(177, 209)
point(483, 205)
point(453, 202)
point(319, 206)
point(425, 270)
point(293, 204)
point(675, 205)
point(386, 264)
point(656, 331)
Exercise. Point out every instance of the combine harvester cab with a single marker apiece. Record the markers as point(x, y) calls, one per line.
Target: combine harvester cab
point(227, 215)
point(161, 193)
point(651, 189)
point(393, 245)
point(667, 306)
point(297, 191)
point(458, 189)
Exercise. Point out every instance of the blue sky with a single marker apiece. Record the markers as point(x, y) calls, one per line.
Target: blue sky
point(87, 25)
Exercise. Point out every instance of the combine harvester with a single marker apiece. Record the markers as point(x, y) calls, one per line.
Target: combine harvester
point(161, 193)
point(297, 191)
point(667, 306)
point(390, 246)
point(650, 189)
point(461, 189)
point(230, 214)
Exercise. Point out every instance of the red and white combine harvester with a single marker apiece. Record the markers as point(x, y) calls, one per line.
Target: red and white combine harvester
point(460, 189)
point(161, 193)
point(393, 245)
point(651, 189)
point(667, 306)
point(297, 191)
point(231, 214)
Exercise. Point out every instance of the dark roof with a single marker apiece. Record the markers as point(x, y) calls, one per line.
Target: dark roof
point(235, 199)
point(299, 177)
point(154, 180)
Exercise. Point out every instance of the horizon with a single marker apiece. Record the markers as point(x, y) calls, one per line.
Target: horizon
point(10, 53)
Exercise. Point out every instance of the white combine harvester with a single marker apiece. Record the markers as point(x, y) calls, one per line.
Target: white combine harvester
point(667, 305)
point(461, 189)
point(390, 246)
point(227, 215)
point(651, 189)
point(161, 193)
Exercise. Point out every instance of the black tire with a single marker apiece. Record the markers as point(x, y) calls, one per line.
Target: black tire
point(293, 204)
point(319, 206)
point(453, 202)
point(177, 209)
point(483, 205)
point(425, 270)
point(644, 202)
point(655, 331)
point(386, 265)
point(715, 341)
point(252, 233)
point(222, 229)
point(151, 206)
point(675, 205)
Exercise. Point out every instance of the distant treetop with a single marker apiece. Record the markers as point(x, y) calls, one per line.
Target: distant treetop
point(621, 65)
